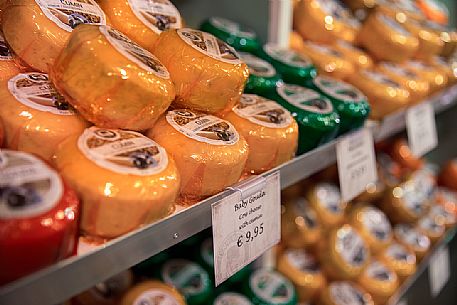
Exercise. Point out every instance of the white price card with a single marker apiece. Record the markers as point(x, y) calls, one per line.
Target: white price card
point(356, 163)
point(421, 128)
point(439, 270)
point(245, 224)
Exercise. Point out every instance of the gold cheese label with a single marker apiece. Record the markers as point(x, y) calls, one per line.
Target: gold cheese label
point(304, 99)
point(158, 15)
point(231, 27)
point(339, 89)
point(257, 66)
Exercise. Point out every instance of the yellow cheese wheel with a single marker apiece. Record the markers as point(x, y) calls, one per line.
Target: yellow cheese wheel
point(355, 5)
point(356, 56)
point(345, 293)
point(444, 67)
point(8, 67)
point(400, 259)
point(384, 94)
point(152, 292)
point(328, 60)
point(373, 192)
point(418, 88)
point(413, 239)
point(207, 73)
point(379, 281)
point(209, 152)
point(402, 8)
point(430, 43)
point(35, 117)
point(142, 20)
point(269, 129)
point(386, 39)
point(38, 30)
point(435, 78)
point(325, 199)
point(112, 81)
point(432, 226)
point(123, 178)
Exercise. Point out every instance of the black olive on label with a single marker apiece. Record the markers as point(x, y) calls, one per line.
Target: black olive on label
point(274, 117)
point(223, 135)
point(162, 23)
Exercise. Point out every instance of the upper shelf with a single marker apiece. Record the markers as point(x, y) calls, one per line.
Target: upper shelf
point(63, 280)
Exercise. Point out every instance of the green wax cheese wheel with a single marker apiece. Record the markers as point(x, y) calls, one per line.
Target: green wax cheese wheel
point(231, 298)
point(263, 78)
point(318, 121)
point(350, 103)
point(189, 278)
point(268, 287)
point(234, 34)
point(293, 67)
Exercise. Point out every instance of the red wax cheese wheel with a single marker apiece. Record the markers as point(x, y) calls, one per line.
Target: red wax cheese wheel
point(38, 30)
point(269, 129)
point(38, 216)
point(123, 178)
point(112, 81)
point(209, 152)
point(36, 118)
point(207, 73)
point(8, 67)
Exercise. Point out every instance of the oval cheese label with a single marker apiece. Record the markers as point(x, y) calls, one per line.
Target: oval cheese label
point(122, 151)
point(158, 15)
point(336, 10)
point(302, 261)
point(323, 49)
point(257, 66)
point(413, 200)
point(134, 52)
point(329, 197)
point(412, 237)
point(393, 25)
point(206, 252)
point(67, 14)
point(380, 78)
point(378, 271)
point(231, 298)
point(376, 223)
point(209, 45)
point(429, 224)
point(271, 287)
point(396, 69)
point(351, 247)
point(303, 210)
point(400, 253)
point(231, 27)
point(287, 56)
point(438, 210)
point(305, 99)
point(189, 278)
point(28, 187)
point(5, 52)
point(262, 111)
point(156, 297)
point(202, 127)
point(343, 293)
point(36, 91)
point(418, 65)
point(339, 90)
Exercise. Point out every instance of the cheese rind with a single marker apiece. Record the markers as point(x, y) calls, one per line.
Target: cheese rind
point(147, 291)
point(436, 78)
point(379, 280)
point(359, 58)
point(325, 199)
point(344, 293)
point(400, 259)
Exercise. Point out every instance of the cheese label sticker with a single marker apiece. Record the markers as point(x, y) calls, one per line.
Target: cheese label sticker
point(323, 49)
point(343, 293)
point(262, 111)
point(339, 90)
point(429, 224)
point(209, 45)
point(379, 271)
point(189, 278)
point(394, 25)
point(122, 151)
point(231, 298)
point(305, 99)
point(329, 197)
point(303, 210)
point(36, 91)
point(413, 200)
point(399, 70)
point(155, 297)
point(377, 223)
point(351, 246)
point(202, 127)
point(287, 56)
point(412, 237)
point(158, 15)
point(231, 27)
point(399, 253)
point(415, 64)
point(438, 210)
point(271, 287)
point(69, 14)
point(5, 52)
point(302, 261)
point(134, 52)
point(28, 187)
point(380, 78)
point(257, 66)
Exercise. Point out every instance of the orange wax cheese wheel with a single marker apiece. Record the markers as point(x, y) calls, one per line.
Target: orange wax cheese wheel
point(448, 175)
point(325, 199)
point(37, 30)
point(402, 154)
point(430, 42)
point(413, 239)
point(209, 152)
point(111, 81)
point(444, 67)
point(400, 259)
point(345, 293)
point(295, 41)
point(35, 117)
point(152, 292)
point(207, 73)
point(435, 78)
point(128, 179)
point(269, 129)
point(356, 56)
point(379, 281)
point(385, 94)
point(142, 20)
point(432, 226)
point(8, 67)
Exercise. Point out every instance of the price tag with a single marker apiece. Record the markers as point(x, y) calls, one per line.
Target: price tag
point(421, 128)
point(439, 270)
point(356, 163)
point(245, 224)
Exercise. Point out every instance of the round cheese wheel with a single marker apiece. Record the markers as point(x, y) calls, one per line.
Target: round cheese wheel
point(373, 225)
point(386, 39)
point(448, 175)
point(328, 60)
point(356, 5)
point(447, 199)
point(373, 192)
point(8, 67)
point(269, 129)
point(325, 199)
point(39, 214)
point(151, 292)
point(413, 239)
point(432, 226)
point(302, 269)
point(435, 78)
point(402, 154)
point(231, 298)
point(430, 43)
point(356, 56)
point(400, 259)
point(345, 293)
point(434, 10)
point(295, 41)
point(444, 67)
point(445, 214)
point(405, 8)
point(128, 172)
point(35, 116)
point(385, 94)
point(418, 88)
point(343, 254)
point(37, 31)
point(209, 152)
point(142, 20)
point(379, 281)
point(112, 81)
point(389, 172)
point(447, 35)
point(207, 73)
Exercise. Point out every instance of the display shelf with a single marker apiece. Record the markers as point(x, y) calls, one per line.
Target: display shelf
point(63, 280)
